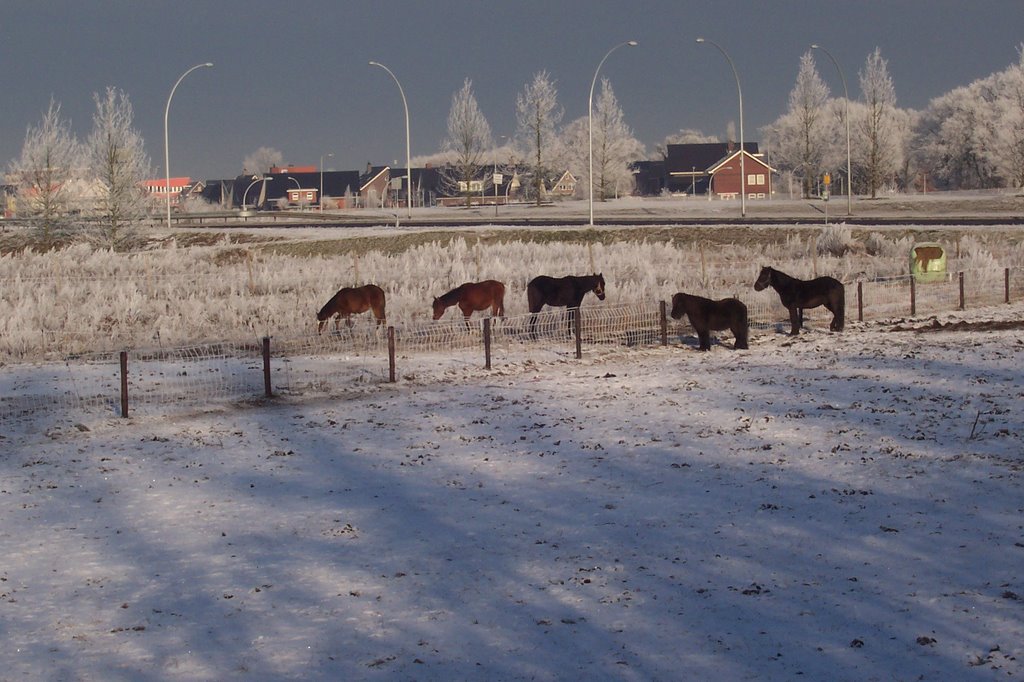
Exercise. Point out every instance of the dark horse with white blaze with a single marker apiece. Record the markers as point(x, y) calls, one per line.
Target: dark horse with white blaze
point(473, 297)
point(706, 315)
point(797, 294)
point(561, 292)
point(351, 301)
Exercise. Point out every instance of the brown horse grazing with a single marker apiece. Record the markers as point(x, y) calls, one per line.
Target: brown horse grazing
point(706, 316)
point(797, 294)
point(351, 301)
point(559, 292)
point(472, 297)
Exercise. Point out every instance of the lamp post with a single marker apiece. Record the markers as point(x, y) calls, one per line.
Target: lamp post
point(846, 97)
point(167, 153)
point(408, 156)
point(739, 91)
point(321, 200)
point(590, 121)
point(245, 196)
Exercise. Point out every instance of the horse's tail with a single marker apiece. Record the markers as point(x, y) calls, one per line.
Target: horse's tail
point(533, 297)
point(839, 313)
point(742, 330)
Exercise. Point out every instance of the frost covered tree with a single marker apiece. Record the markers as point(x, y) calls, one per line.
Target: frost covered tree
point(879, 146)
point(615, 147)
point(538, 116)
point(42, 175)
point(261, 161)
point(116, 159)
point(469, 136)
point(799, 138)
point(684, 136)
point(1009, 110)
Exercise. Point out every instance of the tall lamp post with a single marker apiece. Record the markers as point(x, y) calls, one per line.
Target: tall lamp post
point(167, 153)
point(590, 120)
point(408, 156)
point(846, 98)
point(321, 199)
point(743, 152)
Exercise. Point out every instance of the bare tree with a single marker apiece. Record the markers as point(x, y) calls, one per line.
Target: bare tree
point(537, 116)
point(615, 147)
point(469, 136)
point(50, 157)
point(799, 138)
point(117, 162)
point(684, 136)
point(1009, 144)
point(879, 147)
point(262, 160)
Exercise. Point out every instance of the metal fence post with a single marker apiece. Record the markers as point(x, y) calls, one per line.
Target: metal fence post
point(961, 278)
point(1006, 285)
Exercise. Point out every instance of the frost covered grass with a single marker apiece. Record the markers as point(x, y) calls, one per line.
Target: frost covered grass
point(79, 299)
point(831, 507)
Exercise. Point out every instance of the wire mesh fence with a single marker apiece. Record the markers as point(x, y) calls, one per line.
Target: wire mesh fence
point(163, 380)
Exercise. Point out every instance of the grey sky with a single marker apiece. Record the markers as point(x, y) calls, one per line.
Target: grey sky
point(295, 75)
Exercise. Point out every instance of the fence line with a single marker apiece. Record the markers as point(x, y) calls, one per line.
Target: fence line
point(152, 381)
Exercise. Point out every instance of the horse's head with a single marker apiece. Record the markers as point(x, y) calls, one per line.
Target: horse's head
point(599, 287)
point(763, 279)
point(678, 306)
point(439, 308)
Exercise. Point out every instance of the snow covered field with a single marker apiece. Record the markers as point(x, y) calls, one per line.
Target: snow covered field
point(838, 506)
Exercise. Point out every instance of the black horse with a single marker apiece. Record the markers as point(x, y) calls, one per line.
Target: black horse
point(706, 316)
point(797, 294)
point(564, 292)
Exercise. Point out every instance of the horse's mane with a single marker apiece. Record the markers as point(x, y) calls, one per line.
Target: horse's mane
point(451, 297)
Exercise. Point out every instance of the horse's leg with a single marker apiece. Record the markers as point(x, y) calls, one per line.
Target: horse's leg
point(704, 336)
point(795, 315)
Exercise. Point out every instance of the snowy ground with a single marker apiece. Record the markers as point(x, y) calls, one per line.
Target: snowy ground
point(839, 506)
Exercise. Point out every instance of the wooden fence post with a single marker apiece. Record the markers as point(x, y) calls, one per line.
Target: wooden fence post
point(487, 343)
point(1006, 285)
point(124, 383)
point(577, 327)
point(961, 278)
point(663, 309)
point(860, 301)
point(267, 391)
point(391, 354)
point(913, 295)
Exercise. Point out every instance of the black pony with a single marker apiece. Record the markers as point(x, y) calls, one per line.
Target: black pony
point(564, 292)
point(706, 316)
point(797, 294)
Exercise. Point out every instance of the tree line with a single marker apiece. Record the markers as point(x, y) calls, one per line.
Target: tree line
point(969, 138)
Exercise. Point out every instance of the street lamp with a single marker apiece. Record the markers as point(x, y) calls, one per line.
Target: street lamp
point(743, 153)
point(846, 97)
point(329, 155)
point(245, 195)
point(590, 121)
point(167, 153)
point(408, 156)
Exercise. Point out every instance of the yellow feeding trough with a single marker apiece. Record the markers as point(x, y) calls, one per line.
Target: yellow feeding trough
point(928, 262)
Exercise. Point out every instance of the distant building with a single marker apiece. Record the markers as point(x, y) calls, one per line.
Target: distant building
point(711, 168)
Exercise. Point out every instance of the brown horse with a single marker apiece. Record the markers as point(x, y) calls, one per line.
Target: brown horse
point(472, 297)
point(797, 294)
point(351, 301)
point(706, 316)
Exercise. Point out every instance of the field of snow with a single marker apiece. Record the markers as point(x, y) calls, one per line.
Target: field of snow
point(834, 506)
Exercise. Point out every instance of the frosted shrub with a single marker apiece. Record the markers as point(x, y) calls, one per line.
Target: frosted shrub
point(876, 244)
point(835, 240)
